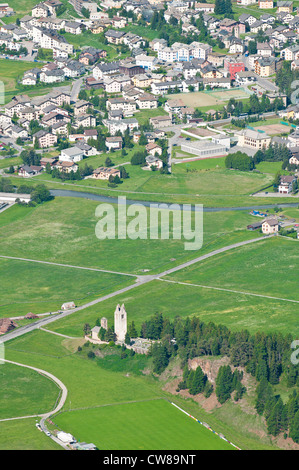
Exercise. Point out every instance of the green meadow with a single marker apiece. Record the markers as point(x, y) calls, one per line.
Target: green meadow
point(11, 71)
point(104, 393)
point(150, 425)
point(268, 268)
point(39, 288)
point(24, 392)
point(197, 181)
point(22, 434)
point(63, 231)
point(233, 309)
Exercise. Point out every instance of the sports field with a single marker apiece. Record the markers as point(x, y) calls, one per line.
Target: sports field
point(209, 98)
point(150, 425)
point(273, 129)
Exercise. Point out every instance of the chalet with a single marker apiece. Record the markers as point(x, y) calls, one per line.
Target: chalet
point(153, 148)
point(85, 120)
point(286, 184)
point(147, 101)
point(121, 125)
point(270, 225)
point(266, 4)
point(161, 121)
point(73, 27)
point(114, 37)
point(153, 161)
point(88, 150)
point(81, 107)
point(115, 143)
point(104, 173)
point(66, 167)
point(27, 171)
point(45, 161)
point(284, 6)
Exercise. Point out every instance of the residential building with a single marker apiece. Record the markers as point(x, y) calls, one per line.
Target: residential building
point(45, 139)
point(253, 139)
point(104, 173)
point(269, 226)
point(72, 154)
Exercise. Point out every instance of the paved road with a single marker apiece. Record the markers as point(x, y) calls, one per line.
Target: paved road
point(268, 85)
point(57, 408)
point(50, 376)
point(140, 281)
point(76, 89)
point(44, 416)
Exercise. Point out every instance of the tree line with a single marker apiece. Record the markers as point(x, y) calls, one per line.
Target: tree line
point(266, 356)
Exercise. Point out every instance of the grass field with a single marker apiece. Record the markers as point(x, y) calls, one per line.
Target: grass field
point(21, 434)
point(267, 268)
point(206, 184)
point(90, 385)
point(6, 162)
point(150, 425)
point(63, 231)
point(24, 392)
point(271, 168)
point(50, 286)
point(90, 40)
point(235, 310)
point(11, 70)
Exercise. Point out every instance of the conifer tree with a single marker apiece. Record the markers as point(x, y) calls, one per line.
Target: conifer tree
point(198, 381)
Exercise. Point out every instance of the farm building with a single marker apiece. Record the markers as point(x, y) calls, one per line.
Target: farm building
point(254, 226)
point(6, 325)
point(68, 305)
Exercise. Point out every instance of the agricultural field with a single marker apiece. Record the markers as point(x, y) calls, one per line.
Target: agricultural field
point(251, 268)
point(50, 286)
point(150, 425)
point(24, 392)
point(236, 310)
point(21, 434)
point(63, 231)
point(128, 395)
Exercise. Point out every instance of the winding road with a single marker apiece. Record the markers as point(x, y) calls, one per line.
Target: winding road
point(47, 415)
